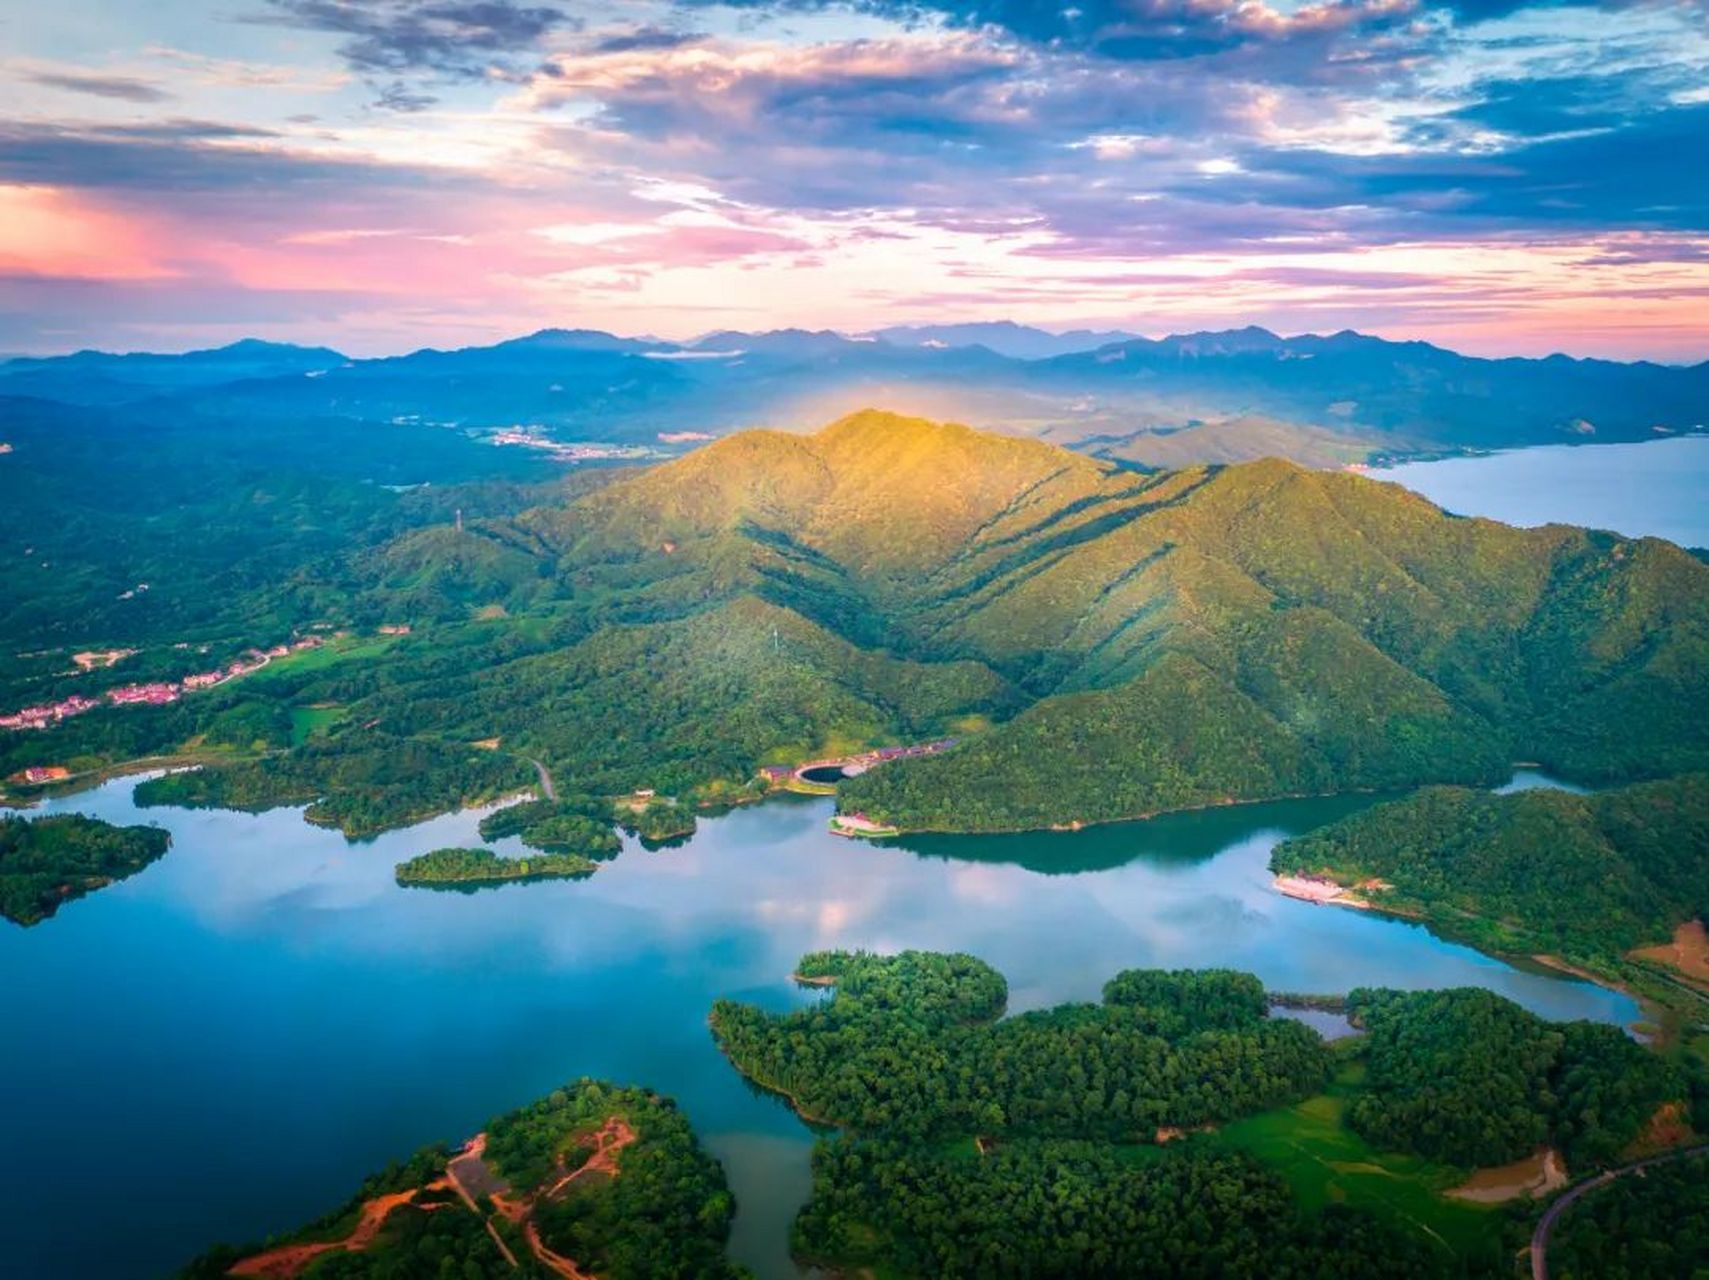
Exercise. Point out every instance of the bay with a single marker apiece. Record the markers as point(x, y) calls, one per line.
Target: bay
point(1659, 488)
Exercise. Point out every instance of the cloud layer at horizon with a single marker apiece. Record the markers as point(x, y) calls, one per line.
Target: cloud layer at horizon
point(1493, 175)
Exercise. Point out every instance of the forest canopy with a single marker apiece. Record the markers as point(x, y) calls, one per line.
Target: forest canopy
point(450, 868)
point(47, 862)
point(1540, 870)
point(1469, 1078)
point(913, 1044)
point(611, 1179)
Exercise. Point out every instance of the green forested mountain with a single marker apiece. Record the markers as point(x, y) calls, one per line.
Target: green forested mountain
point(1584, 876)
point(1139, 641)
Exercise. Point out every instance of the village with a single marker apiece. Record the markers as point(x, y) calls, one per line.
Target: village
point(529, 437)
point(153, 693)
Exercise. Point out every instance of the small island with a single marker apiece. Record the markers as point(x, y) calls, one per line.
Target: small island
point(47, 862)
point(581, 825)
point(657, 820)
point(473, 868)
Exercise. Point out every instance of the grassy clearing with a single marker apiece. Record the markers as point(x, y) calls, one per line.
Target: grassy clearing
point(326, 655)
point(1327, 1163)
point(309, 722)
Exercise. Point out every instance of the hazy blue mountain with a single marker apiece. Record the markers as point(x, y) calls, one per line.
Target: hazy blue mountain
point(1421, 396)
point(1005, 337)
point(100, 377)
point(1223, 396)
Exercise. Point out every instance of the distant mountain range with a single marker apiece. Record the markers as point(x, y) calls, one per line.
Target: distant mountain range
point(1225, 396)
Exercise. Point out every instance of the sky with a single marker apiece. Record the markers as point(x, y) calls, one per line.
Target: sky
point(1496, 176)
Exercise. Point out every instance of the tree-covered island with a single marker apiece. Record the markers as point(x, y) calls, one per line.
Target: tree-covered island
point(473, 868)
point(47, 862)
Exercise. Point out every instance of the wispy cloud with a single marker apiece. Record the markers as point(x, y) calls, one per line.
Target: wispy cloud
point(122, 88)
point(461, 37)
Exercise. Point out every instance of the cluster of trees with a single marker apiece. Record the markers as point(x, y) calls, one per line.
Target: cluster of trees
point(1468, 1078)
point(666, 1213)
point(514, 819)
point(47, 862)
point(579, 825)
point(572, 832)
point(475, 867)
point(362, 781)
point(1588, 876)
point(1652, 1225)
point(1064, 1178)
point(1063, 1208)
point(912, 1044)
point(659, 822)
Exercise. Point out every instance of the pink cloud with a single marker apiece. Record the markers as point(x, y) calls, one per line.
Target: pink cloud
point(46, 231)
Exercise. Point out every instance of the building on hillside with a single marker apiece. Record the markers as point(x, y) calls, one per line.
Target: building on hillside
point(156, 694)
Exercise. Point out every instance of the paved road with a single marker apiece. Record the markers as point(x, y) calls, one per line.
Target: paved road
point(546, 788)
point(1540, 1237)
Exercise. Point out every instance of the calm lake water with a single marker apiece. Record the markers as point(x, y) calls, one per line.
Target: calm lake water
point(1659, 488)
point(225, 1044)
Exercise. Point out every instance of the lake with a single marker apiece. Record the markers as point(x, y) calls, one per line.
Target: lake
point(225, 1044)
point(1659, 488)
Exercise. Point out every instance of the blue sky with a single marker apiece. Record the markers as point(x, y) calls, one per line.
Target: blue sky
point(1492, 175)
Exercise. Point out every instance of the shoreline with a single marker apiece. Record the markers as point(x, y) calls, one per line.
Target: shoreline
point(1080, 824)
point(1648, 1006)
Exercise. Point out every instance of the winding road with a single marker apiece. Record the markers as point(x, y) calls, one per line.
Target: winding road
point(1540, 1237)
point(548, 791)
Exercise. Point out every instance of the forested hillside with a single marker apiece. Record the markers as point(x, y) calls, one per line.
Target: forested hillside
point(1588, 877)
point(1468, 1078)
point(1106, 643)
point(1176, 1127)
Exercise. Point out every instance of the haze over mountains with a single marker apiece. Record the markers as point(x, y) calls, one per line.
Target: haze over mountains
point(1224, 396)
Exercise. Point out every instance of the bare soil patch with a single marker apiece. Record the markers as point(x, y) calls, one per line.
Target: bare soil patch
point(1688, 953)
point(1537, 1175)
point(290, 1260)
